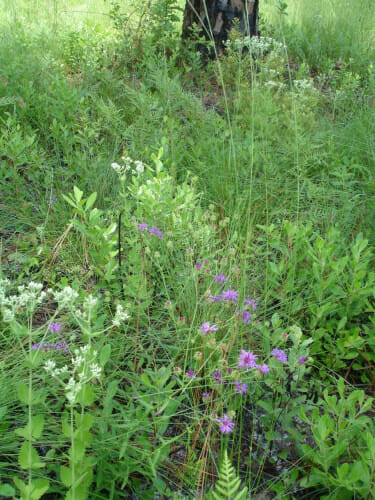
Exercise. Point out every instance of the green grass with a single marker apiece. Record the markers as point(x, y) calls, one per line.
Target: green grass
point(268, 177)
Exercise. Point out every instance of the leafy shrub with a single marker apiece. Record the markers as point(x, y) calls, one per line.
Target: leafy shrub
point(343, 455)
point(325, 285)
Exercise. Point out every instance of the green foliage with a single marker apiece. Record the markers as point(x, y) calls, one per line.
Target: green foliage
point(279, 129)
point(327, 286)
point(228, 484)
point(343, 456)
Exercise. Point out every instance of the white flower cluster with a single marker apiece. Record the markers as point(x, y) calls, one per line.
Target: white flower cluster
point(302, 85)
point(136, 167)
point(258, 46)
point(89, 303)
point(275, 85)
point(120, 316)
point(28, 298)
point(66, 297)
point(84, 369)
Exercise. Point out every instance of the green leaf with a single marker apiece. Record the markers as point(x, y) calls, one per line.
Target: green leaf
point(84, 421)
point(228, 484)
point(66, 427)
point(356, 473)
point(111, 391)
point(39, 487)
point(28, 457)
point(77, 194)
point(86, 396)
point(6, 490)
point(21, 486)
point(23, 392)
point(105, 354)
point(342, 471)
point(77, 452)
point(66, 476)
point(37, 424)
point(342, 323)
point(90, 201)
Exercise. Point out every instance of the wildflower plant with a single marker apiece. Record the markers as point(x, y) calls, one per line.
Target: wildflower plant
point(76, 425)
point(74, 369)
point(18, 310)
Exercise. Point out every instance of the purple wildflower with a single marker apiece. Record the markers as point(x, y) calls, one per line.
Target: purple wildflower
point(206, 395)
point(34, 347)
point(240, 388)
point(217, 376)
point(143, 226)
point(302, 360)
point(61, 346)
point(230, 295)
point(229, 370)
point(198, 265)
point(220, 278)
point(251, 303)
point(208, 328)
point(216, 298)
point(156, 232)
point(191, 374)
point(280, 355)
point(226, 424)
point(246, 316)
point(263, 368)
point(246, 359)
point(55, 327)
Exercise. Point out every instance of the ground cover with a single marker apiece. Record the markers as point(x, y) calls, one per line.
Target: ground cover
point(187, 254)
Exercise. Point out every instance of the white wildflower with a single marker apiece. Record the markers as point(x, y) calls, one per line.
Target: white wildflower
point(78, 361)
point(90, 302)
point(66, 297)
point(120, 316)
point(50, 366)
point(84, 349)
point(8, 315)
point(72, 388)
point(95, 370)
point(139, 167)
point(116, 167)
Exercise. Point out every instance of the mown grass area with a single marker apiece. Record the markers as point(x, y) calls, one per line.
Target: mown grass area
point(187, 254)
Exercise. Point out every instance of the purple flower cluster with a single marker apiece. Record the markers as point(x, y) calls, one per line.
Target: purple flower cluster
point(239, 387)
point(246, 316)
point(153, 230)
point(191, 374)
point(229, 296)
point(251, 303)
point(214, 298)
point(226, 296)
point(247, 359)
point(207, 328)
point(55, 327)
point(263, 368)
point(226, 424)
point(220, 278)
point(60, 347)
point(156, 232)
point(217, 376)
point(280, 355)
